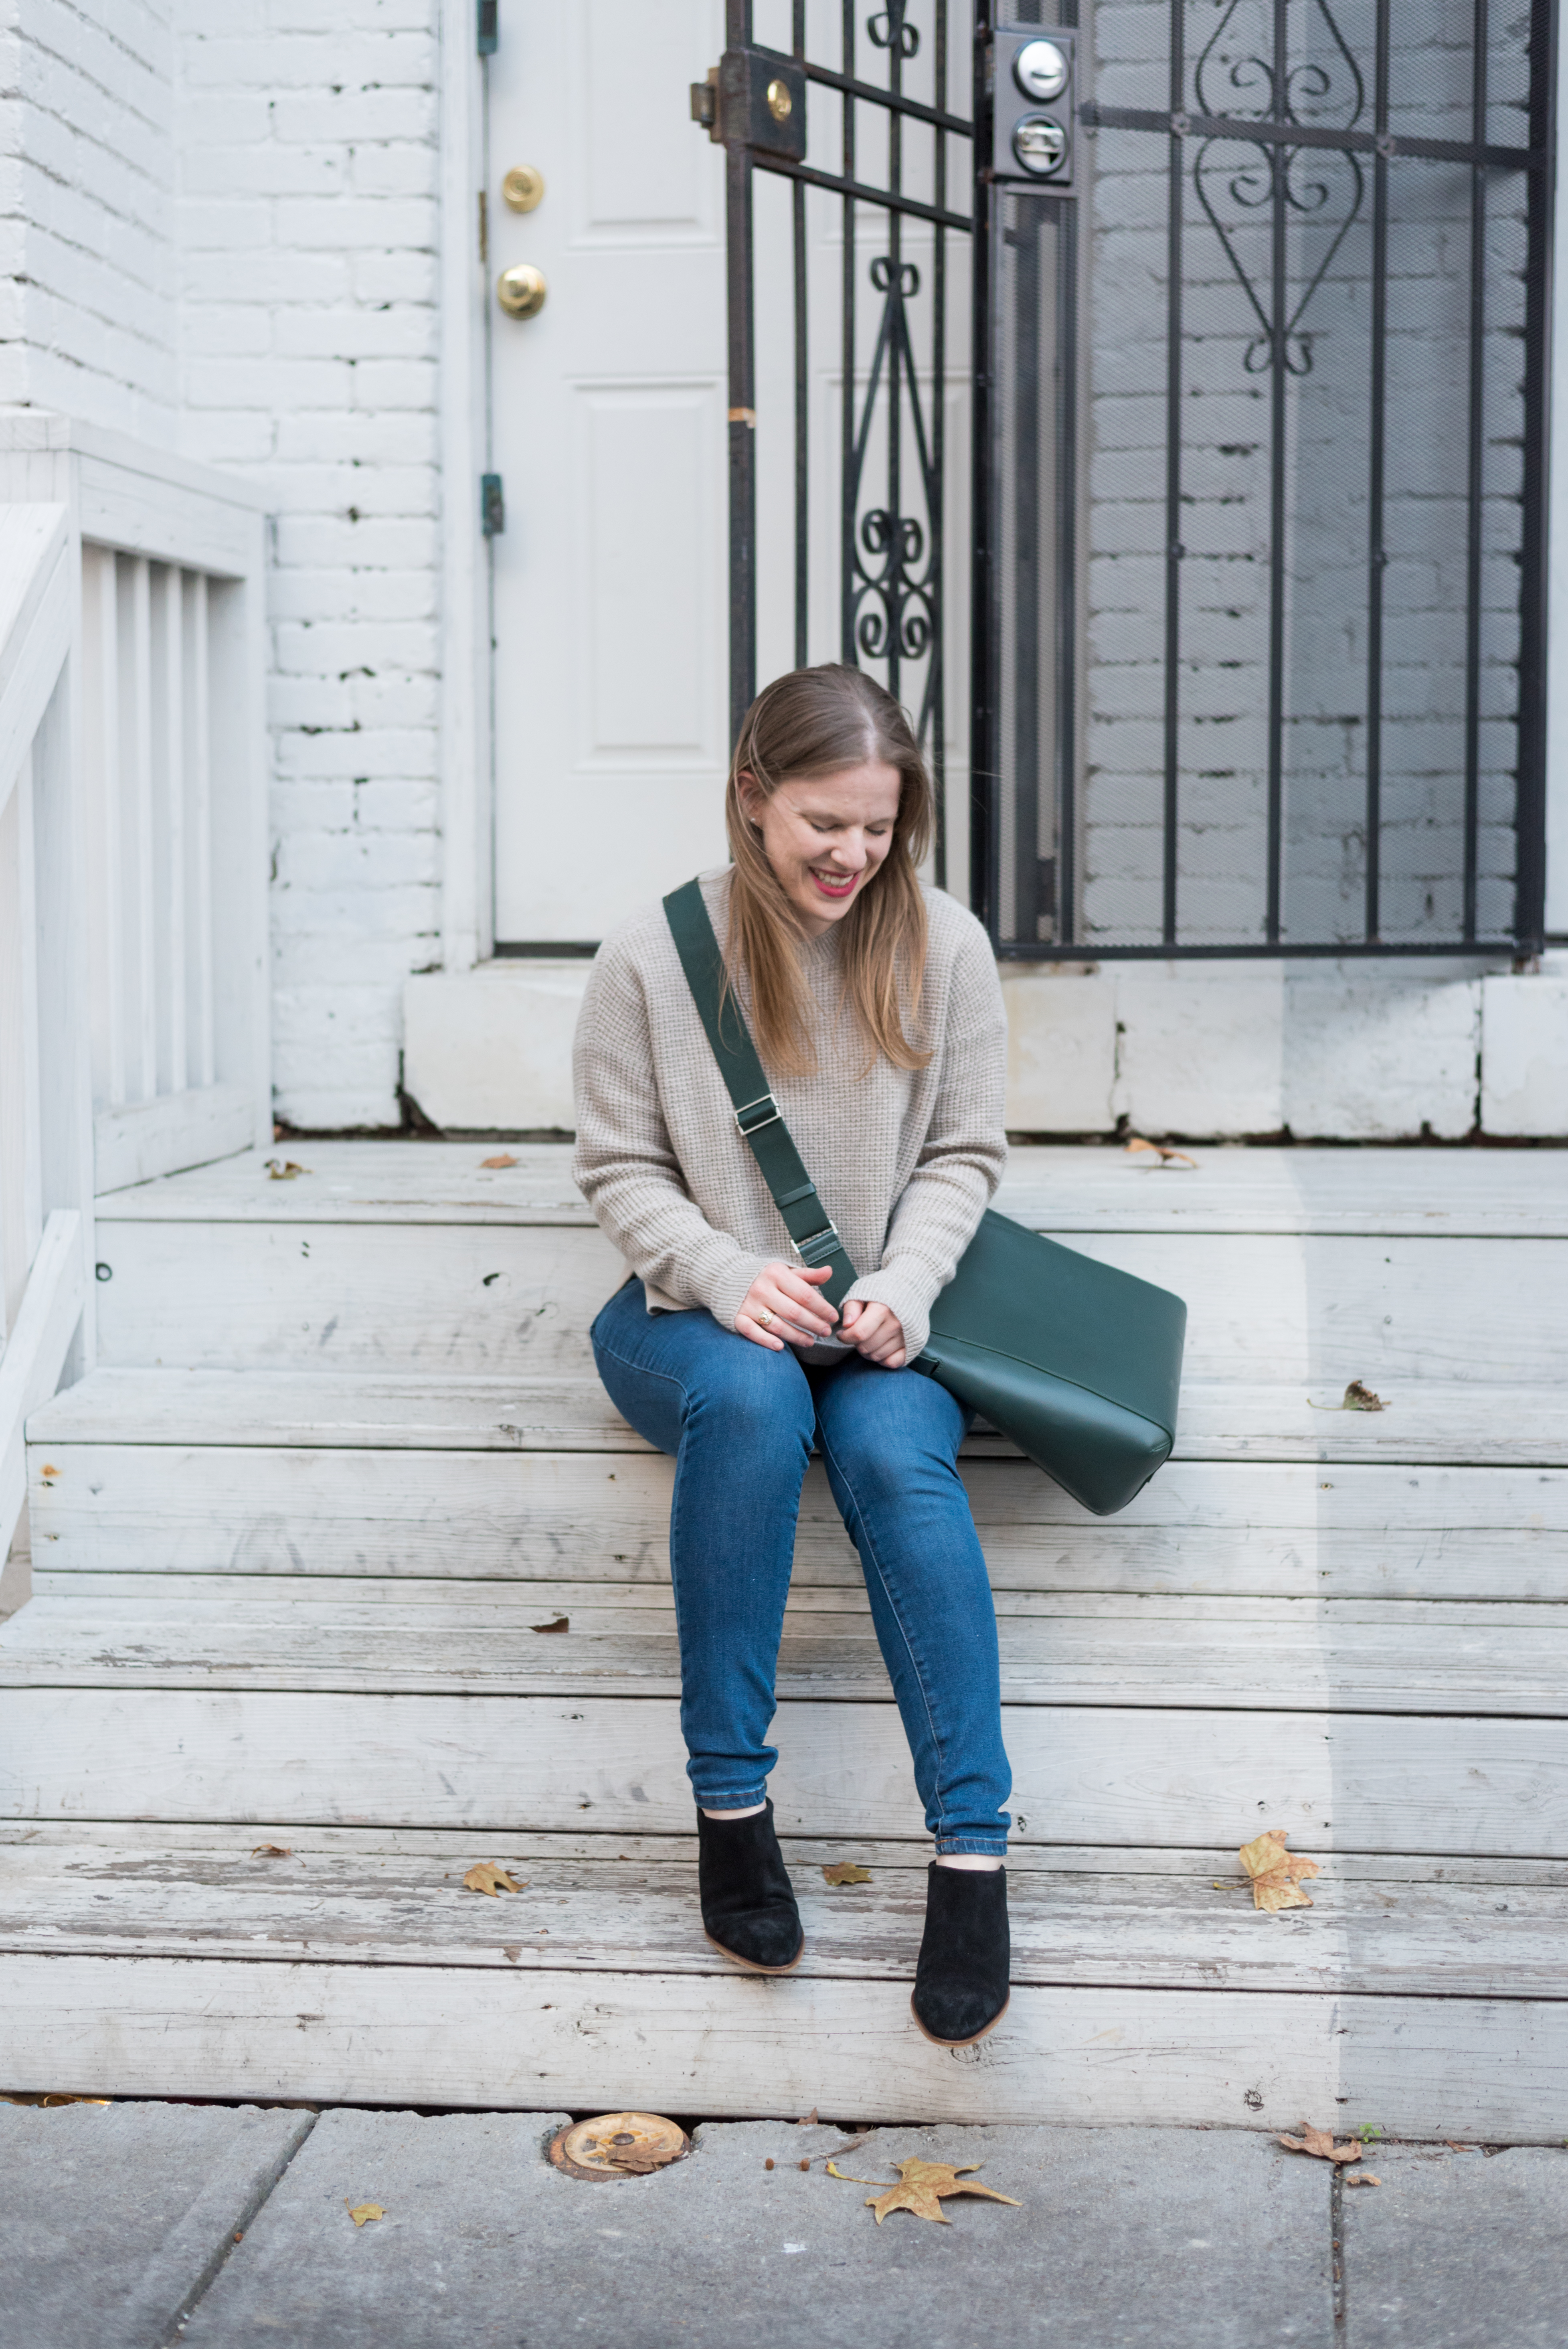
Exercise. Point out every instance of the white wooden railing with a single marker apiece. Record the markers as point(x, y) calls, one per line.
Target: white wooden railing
point(133, 1000)
point(45, 1164)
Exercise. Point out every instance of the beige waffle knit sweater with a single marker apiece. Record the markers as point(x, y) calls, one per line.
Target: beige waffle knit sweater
point(904, 1161)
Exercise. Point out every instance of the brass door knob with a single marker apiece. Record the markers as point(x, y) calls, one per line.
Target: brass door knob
point(521, 291)
point(523, 187)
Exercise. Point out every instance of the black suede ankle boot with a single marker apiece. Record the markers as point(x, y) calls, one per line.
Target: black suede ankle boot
point(747, 1900)
point(961, 1981)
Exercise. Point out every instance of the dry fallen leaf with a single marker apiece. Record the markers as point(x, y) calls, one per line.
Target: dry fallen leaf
point(47, 2099)
point(362, 2213)
point(846, 1871)
point(488, 1876)
point(283, 1170)
point(1358, 1396)
point(1274, 1872)
point(1364, 2177)
point(272, 1851)
point(1321, 2143)
point(921, 2187)
point(1162, 1155)
point(808, 2120)
point(561, 1623)
point(504, 1158)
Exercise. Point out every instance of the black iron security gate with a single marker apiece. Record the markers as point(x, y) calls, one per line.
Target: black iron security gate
point(1261, 345)
point(842, 120)
point(1257, 539)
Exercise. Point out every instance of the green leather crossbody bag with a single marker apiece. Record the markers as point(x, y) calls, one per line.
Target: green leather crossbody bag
point(1078, 1363)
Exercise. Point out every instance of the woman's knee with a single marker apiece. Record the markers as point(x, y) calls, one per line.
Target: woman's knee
point(752, 1398)
point(892, 1432)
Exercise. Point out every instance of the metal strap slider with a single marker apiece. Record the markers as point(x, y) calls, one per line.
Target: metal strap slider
point(750, 1124)
point(818, 1246)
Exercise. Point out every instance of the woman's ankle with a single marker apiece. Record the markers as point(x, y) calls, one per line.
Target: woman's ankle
point(750, 1811)
point(979, 1860)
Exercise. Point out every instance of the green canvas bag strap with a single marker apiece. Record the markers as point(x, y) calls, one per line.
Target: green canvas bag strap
point(757, 1113)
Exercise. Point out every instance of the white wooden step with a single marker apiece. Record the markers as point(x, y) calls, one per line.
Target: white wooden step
point(1443, 1783)
point(1426, 1422)
point(515, 1301)
point(135, 1967)
point(1370, 1531)
point(1189, 1924)
point(1499, 1193)
point(1262, 1655)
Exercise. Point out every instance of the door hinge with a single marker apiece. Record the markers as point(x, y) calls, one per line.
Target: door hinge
point(493, 505)
point(705, 103)
point(488, 28)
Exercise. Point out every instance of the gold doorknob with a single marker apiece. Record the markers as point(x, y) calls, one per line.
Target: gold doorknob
point(523, 187)
point(521, 291)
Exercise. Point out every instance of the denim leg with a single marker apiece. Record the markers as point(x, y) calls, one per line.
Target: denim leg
point(891, 1441)
point(739, 1420)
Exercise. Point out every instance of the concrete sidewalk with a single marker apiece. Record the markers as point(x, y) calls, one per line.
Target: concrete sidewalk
point(135, 2226)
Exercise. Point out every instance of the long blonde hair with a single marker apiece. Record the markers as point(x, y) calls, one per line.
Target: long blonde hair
point(817, 721)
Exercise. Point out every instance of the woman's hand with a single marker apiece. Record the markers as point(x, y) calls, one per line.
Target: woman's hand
point(875, 1331)
point(782, 1307)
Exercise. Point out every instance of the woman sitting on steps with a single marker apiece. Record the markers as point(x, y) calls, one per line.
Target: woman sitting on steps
point(876, 1007)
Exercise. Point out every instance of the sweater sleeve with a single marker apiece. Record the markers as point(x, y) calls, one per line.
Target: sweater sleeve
point(964, 1153)
point(624, 1165)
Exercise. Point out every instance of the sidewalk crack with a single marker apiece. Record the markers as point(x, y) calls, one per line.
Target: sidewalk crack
point(244, 2218)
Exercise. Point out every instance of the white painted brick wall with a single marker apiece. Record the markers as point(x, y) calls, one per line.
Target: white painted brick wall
point(88, 318)
point(308, 164)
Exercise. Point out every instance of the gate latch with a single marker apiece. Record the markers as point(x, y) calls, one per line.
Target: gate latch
point(756, 98)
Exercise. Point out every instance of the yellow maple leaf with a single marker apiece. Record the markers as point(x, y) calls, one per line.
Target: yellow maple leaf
point(1276, 1872)
point(921, 2187)
point(846, 1871)
point(362, 2213)
point(1321, 2143)
point(488, 1876)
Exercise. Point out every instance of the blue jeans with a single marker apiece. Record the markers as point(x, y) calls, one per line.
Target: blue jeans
point(740, 1421)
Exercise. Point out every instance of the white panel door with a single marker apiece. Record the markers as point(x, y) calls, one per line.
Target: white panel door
point(609, 431)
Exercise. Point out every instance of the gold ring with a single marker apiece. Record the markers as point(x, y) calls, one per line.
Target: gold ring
point(764, 1319)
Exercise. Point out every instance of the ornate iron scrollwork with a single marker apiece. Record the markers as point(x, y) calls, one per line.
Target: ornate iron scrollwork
point(891, 29)
point(1299, 178)
point(892, 588)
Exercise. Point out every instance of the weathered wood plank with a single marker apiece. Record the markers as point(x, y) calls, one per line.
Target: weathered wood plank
point(1377, 1532)
point(493, 1300)
point(383, 1408)
point(1100, 1775)
point(157, 1844)
point(1105, 1929)
point(443, 1298)
point(719, 2045)
point(1434, 1423)
point(111, 1602)
point(1501, 1193)
point(1280, 1655)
